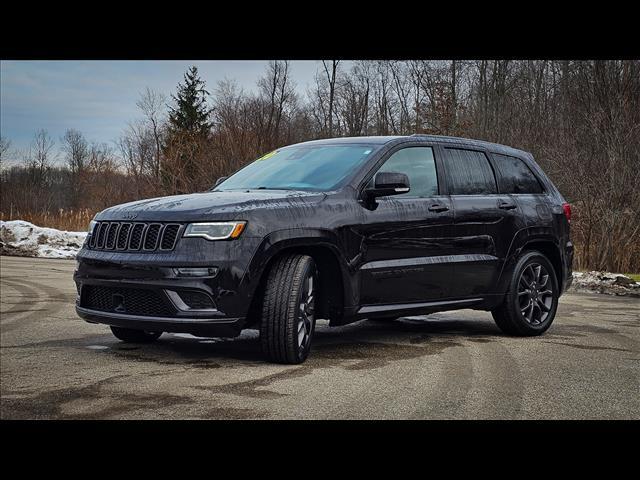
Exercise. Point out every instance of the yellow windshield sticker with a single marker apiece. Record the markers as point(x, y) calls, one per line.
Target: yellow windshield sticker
point(270, 154)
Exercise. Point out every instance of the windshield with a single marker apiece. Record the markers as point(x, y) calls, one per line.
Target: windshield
point(318, 167)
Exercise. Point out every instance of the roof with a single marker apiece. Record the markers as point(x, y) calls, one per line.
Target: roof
point(370, 140)
point(380, 140)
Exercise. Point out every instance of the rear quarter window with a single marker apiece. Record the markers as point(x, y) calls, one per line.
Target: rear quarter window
point(469, 172)
point(514, 176)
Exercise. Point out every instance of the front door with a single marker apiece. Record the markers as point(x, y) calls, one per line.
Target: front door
point(406, 238)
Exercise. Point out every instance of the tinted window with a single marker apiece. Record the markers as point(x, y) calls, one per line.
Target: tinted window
point(304, 167)
point(418, 164)
point(514, 176)
point(469, 172)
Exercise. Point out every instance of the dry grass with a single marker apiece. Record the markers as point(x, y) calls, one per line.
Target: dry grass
point(70, 220)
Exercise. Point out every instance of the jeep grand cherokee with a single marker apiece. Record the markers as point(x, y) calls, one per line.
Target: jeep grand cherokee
point(341, 229)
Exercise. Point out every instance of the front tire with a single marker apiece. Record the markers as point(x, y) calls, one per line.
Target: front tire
point(130, 335)
point(531, 302)
point(288, 309)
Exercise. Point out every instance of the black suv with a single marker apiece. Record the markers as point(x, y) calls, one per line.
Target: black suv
point(342, 229)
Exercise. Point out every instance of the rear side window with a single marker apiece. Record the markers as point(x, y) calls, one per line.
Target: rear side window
point(418, 164)
point(469, 172)
point(514, 176)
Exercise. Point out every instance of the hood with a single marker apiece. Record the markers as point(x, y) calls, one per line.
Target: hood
point(209, 206)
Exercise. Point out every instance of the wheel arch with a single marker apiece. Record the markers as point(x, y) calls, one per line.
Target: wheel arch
point(525, 240)
point(335, 290)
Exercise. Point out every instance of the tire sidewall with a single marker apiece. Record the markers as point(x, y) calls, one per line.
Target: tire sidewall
point(310, 268)
point(525, 260)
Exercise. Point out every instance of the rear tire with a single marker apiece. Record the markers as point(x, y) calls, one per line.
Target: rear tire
point(130, 335)
point(530, 304)
point(288, 317)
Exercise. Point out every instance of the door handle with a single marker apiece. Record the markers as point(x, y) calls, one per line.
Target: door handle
point(438, 208)
point(507, 205)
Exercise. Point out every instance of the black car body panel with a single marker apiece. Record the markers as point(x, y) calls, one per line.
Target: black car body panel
point(396, 255)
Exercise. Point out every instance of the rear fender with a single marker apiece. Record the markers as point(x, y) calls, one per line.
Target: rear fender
point(522, 240)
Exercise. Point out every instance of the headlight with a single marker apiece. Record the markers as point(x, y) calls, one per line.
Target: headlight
point(92, 224)
point(215, 230)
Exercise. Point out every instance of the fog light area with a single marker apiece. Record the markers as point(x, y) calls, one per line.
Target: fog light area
point(196, 272)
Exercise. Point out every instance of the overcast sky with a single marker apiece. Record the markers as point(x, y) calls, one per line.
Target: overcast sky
point(99, 97)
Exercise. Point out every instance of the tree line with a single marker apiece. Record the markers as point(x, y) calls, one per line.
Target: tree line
point(580, 119)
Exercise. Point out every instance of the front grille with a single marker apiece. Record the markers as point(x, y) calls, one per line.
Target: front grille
point(134, 301)
point(139, 236)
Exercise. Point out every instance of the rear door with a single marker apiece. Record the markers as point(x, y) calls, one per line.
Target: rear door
point(485, 221)
point(405, 238)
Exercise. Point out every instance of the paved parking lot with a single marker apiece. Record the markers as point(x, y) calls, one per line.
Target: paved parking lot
point(442, 366)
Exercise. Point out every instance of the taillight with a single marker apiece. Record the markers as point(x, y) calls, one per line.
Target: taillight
point(567, 211)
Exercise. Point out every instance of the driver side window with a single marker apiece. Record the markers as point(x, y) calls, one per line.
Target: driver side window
point(418, 164)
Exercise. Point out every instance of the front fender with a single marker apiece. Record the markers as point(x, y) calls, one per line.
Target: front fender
point(300, 239)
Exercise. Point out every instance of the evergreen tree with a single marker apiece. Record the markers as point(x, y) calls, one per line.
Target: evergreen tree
point(190, 114)
point(189, 135)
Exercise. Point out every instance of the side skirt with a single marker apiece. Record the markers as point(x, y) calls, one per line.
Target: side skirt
point(486, 302)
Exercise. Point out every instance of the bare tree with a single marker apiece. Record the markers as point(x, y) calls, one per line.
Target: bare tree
point(76, 149)
point(5, 145)
point(331, 80)
point(276, 96)
point(41, 152)
point(39, 158)
point(152, 103)
point(323, 98)
point(353, 100)
point(77, 155)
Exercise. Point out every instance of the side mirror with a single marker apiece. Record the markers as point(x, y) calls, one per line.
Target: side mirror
point(388, 183)
point(219, 181)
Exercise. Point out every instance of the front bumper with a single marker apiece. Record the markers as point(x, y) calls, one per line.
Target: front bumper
point(115, 288)
point(202, 327)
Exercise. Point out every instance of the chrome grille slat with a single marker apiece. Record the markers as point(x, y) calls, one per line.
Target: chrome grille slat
point(170, 234)
point(138, 236)
point(93, 236)
point(102, 233)
point(123, 236)
point(112, 235)
point(151, 237)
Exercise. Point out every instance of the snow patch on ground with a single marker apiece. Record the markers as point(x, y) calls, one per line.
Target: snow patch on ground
point(24, 239)
point(605, 282)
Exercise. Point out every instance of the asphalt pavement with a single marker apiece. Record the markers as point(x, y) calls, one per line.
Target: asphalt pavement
point(454, 365)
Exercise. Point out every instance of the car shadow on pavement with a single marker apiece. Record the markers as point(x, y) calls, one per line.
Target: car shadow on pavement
point(351, 341)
